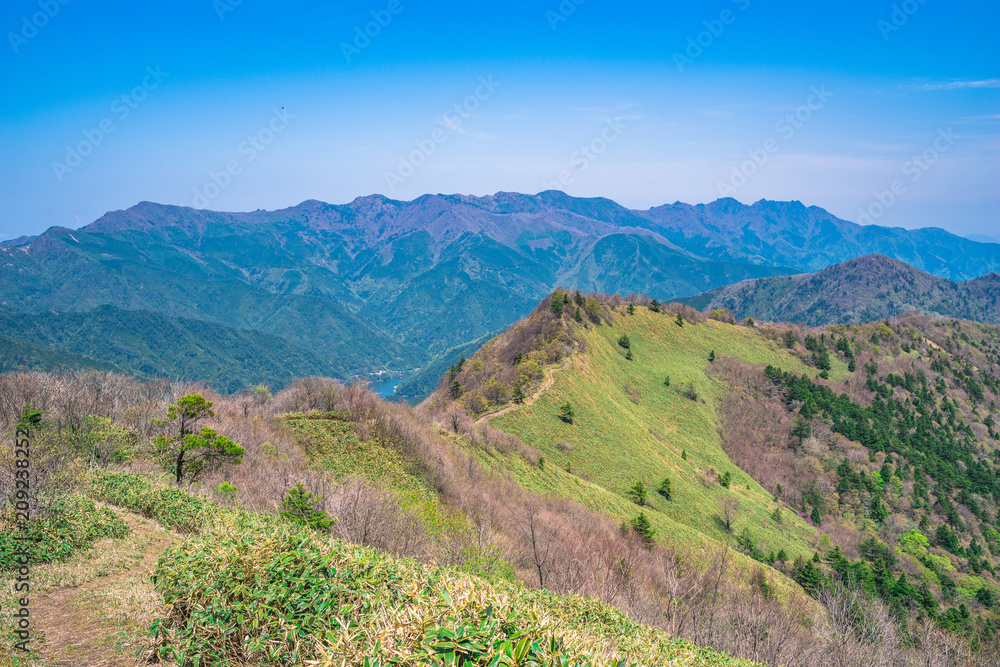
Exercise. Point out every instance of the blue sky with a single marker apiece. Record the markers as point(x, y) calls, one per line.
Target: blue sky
point(883, 112)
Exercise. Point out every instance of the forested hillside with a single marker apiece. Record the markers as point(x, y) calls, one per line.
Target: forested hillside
point(152, 344)
point(856, 291)
point(380, 284)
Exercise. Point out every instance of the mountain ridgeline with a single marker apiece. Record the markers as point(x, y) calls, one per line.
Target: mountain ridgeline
point(385, 284)
point(859, 290)
point(859, 460)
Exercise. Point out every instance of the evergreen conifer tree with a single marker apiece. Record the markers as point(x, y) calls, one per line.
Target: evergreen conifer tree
point(300, 506)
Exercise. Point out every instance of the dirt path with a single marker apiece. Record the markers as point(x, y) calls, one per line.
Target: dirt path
point(75, 633)
point(550, 378)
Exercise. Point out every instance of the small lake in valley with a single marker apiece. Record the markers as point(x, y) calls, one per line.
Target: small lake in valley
point(387, 388)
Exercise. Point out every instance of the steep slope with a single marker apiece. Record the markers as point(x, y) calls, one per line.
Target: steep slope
point(628, 426)
point(19, 355)
point(874, 447)
point(859, 290)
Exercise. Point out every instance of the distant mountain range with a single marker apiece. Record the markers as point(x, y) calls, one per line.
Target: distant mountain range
point(379, 283)
point(858, 290)
point(984, 238)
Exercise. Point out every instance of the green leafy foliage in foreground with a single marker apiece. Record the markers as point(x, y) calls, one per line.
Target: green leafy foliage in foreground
point(256, 592)
point(168, 506)
point(69, 526)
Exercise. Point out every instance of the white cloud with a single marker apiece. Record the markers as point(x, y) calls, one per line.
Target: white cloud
point(958, 85)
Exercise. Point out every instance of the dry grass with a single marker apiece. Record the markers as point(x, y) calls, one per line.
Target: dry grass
point(99, 600)
point(127, 607)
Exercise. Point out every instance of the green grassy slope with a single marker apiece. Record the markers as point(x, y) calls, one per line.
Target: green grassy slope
point(630, 427)
point(902, 410)
point(332, 444)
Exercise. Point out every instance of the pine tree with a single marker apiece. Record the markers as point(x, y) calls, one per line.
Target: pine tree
point(631, 309)
point(566, 413)
point(190, 453)
point(519, 394)
point(684, 455)
point(809, 576)
point(645, 530)
point(638, 493)
point(666, 383)
point(815, 516)
point(654, 306)
point(801, 430)
point(878, 511)
point(666, 488)
point(300, 506)
point(679, 319)
point(711, 356)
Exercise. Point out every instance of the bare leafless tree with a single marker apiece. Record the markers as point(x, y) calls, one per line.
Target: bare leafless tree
point(729, 510)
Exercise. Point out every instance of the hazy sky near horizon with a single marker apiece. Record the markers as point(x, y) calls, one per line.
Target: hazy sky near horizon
point(881, 112)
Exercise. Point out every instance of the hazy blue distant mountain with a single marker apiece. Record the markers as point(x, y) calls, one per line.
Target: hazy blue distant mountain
point(984, 238)
point(379, 283)
point(810, 238)
point(859, 290)
point(19, 241)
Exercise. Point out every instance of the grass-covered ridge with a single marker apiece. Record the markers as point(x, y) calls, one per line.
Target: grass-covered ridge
point(827, 453)
point(629, 426)
point(477, 518)
point(331, 443)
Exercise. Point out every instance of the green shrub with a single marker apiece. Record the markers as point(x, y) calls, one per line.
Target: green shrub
point(171, 507)
point(71, 525)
